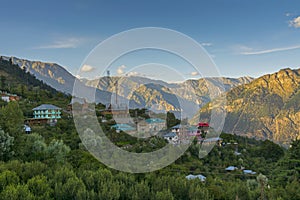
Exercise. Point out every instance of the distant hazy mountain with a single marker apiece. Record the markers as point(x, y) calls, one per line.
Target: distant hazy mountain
point(156, 94)
point(142, 92)
point(268, 107)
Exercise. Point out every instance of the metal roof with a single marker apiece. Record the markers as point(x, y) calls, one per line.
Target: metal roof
point(231, 168)
point(248, 171)
point(154, 120)
point(171, 134)
point(123, 127)
point(47, 107)
point(176, 126)
point(214, 139)
point(190, 177)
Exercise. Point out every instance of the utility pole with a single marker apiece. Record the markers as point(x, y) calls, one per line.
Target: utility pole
point(116, 85)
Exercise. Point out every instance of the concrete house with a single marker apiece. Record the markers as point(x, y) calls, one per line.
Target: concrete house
point(46, 111)
point(151, 125)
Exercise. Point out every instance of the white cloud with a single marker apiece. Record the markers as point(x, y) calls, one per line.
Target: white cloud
point(295, 22)
point(120, 70)
point(206, 44)
point(270, 50)
point(135, 73)
point(87, 68)
point(62, 44)
point(194, 73)
point(288, 14)
point(241, 48)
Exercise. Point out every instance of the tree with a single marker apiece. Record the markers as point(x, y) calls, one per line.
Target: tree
point(6, 144)
point(164, 195)
point(252, 184)
point(271, 151)
point(58, 150)
point(294, 151)
point(11, 118)
point(73, 188)
point(40, 187)
point(171, 120)
point(3, 82)
point(199, 192)
point(242, 192)
point(30, 147)
point(18, 192)
point(140, 191)
point(8, 178)
point(292, 190)
point(109, 190)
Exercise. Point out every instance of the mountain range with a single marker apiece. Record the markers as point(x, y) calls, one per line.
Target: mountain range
point(139, 91)
point(265, 108)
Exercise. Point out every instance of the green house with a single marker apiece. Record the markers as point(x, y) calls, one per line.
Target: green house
point(47, 111)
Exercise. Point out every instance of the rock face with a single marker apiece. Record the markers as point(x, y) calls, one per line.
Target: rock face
point(266, 108)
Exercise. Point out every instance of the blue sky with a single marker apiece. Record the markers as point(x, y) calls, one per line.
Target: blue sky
point(243, 37)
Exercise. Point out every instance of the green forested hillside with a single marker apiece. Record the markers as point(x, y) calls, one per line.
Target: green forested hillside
point(32, 91)
point(17, 80)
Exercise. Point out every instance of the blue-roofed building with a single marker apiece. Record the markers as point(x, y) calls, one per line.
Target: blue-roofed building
point(47, 111)
point(123, 127)
point(231, 168)
point(171, 137)
point(248, 171)
point(155, 121)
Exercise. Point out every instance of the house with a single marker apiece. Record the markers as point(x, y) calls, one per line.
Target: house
point(248, 171)
point(199, 176)
point(231, 168)
point(46, 111)
point(151, 125)
point(27, 129)
point(203, 125)
point(213, 140)
point(176, 129)
point(123, 127)
point(5, 96)
point(171, 137)
point(45, 114)
point(156, 124)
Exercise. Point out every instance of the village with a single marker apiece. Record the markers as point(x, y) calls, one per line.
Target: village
point(142, 125)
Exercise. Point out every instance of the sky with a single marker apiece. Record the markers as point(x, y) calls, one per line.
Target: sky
point(243, 38)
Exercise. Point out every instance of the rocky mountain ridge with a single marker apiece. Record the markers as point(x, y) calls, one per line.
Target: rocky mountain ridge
point(266, 108)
